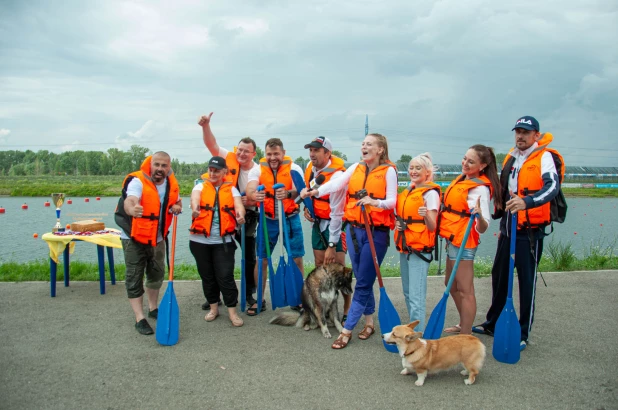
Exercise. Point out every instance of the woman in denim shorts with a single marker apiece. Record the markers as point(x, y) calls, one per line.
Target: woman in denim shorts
point(468, 194)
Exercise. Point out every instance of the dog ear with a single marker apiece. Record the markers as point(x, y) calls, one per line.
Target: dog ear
point(414, 324)
point(413, 336)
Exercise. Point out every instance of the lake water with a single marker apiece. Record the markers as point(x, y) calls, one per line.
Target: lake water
point(589, 221)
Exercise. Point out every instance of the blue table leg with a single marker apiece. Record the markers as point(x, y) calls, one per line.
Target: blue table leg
point(67, 264)
point(101, 255)
point(110, 259)
point(52, 277)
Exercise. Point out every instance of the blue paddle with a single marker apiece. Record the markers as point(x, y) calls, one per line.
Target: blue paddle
point(168, 321)
point(260, 293)
point(387, 314)
point(507, 334)
point(284, 271)
point(293, 276)
point(435, 325)
point(299, 183)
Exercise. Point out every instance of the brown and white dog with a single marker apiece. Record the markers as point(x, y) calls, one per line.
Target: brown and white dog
point(421, 356)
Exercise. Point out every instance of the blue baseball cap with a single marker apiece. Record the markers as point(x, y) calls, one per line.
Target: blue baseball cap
point(528, 123)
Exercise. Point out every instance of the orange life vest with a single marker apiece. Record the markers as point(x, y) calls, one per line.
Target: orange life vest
point(233, 168)
point(145, 228)
point(530, 181)
point(375, 184)
point(416, 234)
point(268, 178)
point(456, 212)
point(211, 200)
point(321, 206)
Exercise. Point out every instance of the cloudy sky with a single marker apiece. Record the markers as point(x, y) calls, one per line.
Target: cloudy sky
point(432, 76)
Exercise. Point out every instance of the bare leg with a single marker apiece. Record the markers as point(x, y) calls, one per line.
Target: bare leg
point(137, 304)
point(465, 288)
point(153, 298)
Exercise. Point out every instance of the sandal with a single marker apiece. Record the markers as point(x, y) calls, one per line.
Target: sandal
point(340, 343)
point(211, 316)
point(237, 321)
point(252, 311)
point(366, 333)
point(453, 329)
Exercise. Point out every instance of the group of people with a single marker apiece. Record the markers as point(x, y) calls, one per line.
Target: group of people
point(231, 192)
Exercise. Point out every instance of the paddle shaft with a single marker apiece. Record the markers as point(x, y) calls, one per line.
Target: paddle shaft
point(459, 254)
point(174, 226)
point(372, 246)
point(512, 259)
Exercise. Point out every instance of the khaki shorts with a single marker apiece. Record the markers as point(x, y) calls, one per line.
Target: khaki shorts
point(140, 259)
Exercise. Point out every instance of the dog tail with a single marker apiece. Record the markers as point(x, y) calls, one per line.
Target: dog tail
point(285, 319)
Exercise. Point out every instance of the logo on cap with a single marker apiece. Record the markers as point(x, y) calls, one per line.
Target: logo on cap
point(523, 121)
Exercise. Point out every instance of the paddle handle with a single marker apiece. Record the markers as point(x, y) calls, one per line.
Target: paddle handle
point(374, 254)
point(174, 226)
point(459, 254)
point(281, 216)
point(512, 251)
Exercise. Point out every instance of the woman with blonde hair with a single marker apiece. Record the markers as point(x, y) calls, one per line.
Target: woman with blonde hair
point(372, 182)
point(415, 232)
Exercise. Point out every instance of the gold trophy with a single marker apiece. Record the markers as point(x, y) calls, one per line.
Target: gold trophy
point(58, 200)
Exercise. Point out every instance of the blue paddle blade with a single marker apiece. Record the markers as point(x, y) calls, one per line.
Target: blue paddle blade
point(507, 335)
point(299, 282)
point(292, 296)
point(435, 324)
point(279, 299)
point(168, 321)
point(260, 293)
point(388, 318)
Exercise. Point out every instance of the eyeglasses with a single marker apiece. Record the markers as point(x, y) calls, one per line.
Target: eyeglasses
point(244, 151)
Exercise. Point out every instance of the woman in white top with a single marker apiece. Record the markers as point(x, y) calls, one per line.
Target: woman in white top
point(470, 193)
point(217, 209)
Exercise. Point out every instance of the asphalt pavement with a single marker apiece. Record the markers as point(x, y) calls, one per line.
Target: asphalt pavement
point(80, 350)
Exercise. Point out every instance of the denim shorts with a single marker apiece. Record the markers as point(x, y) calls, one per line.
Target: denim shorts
point(452, 250)
point(295, 232)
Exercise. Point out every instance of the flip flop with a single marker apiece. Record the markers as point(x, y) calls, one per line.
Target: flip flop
point(480, 329)
point(453, 329)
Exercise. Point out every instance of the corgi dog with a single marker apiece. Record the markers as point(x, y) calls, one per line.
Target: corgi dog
point(421, 356)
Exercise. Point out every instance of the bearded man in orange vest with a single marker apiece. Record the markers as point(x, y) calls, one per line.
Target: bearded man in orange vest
point(276, 168)
point(530, 183)
point(151, 196)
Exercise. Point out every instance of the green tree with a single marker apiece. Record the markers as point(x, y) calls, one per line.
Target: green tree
point(259, 154)
point(405, 159)
point(500, 159)
point(138, 155)
point(340, 155)
point(301, 162)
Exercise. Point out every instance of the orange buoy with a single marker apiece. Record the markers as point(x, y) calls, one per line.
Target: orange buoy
point(47, 203)
point(35, 235)
point(98, 198)
point(70, 201)
point(86, 199)
point(68, 227)
point(24, 206)
point(2, 210)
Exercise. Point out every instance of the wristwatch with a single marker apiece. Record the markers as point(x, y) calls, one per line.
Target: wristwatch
point(331, 244)
point(289, 194)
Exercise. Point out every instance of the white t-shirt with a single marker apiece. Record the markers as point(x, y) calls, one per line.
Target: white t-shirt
point(432, 200)
point(482, 192)
point(256, 172)
point(215, 230)
point(135, 188)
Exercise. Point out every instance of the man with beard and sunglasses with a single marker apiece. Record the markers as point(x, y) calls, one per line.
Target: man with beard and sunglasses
point(150, 198)
point(276, 168)
point(239, 163)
